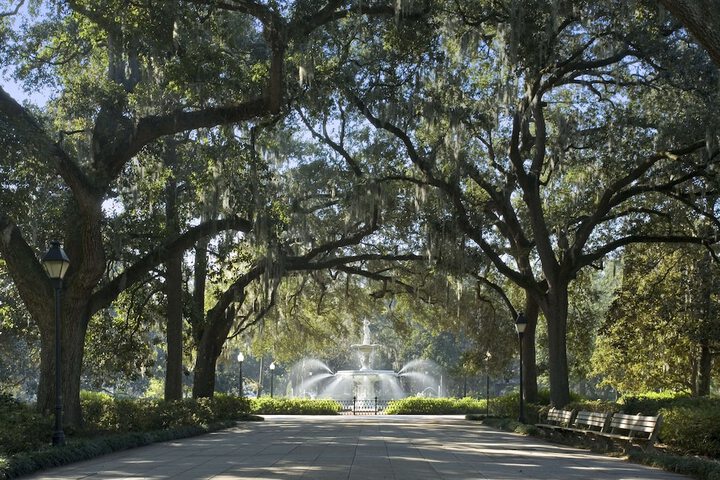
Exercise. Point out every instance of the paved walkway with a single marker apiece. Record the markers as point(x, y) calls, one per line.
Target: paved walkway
point(357, 448)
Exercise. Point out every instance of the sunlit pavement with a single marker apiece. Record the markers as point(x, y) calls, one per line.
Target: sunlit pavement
point(357, 448)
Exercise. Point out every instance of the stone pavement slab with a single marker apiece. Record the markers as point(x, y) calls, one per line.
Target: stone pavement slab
point(357, 448)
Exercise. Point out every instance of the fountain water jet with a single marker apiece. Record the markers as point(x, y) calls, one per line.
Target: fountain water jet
point(367, 383)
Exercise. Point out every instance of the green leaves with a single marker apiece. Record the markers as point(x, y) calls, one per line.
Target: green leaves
point(652, 337)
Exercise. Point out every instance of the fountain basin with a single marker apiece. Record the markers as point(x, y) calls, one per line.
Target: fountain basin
point(366, 372)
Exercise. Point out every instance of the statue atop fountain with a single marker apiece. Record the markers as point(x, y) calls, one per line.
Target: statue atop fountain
point(366, 332)
point(366, 348)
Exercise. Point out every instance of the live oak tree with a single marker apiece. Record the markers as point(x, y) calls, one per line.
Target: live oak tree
point(416, 310)
point(557, 134)
point(166, 189)
point(556, 131)
point(108, 63)
point(321, 216)
point(452, 264)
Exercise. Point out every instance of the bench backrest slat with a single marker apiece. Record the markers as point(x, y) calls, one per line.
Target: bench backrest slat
point(591, 419)
point(635, 423)
point(557, 416)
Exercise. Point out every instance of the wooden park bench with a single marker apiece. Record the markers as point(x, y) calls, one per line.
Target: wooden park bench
point(557, 419)
point(589, 422)
point(633, 429)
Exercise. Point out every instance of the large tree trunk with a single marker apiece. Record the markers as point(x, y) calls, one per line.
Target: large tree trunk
point(173, 294)
point(529, 351)
point(705, 369)
point(85, 251)
point(205, 363)
point(555, 309)
point(701, 18)
point(197, 313)
point(72, 339)
point(706, 312)
point(208, 350)
point(173, 288)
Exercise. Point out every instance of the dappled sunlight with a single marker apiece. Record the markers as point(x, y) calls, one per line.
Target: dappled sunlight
point(334, 447)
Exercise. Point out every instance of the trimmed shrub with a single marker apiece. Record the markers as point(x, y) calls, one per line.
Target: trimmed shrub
point(76, 450)
point(594, 406)
point(125, 423)
point(505, 406)
point(422, 406)
point(294, 406)
point(436, 406)
point(470, 405)
point(692, 425)
point(22, 428)
point(102, 413)
point(509, 406)
point(649, 403)
point(701, 468)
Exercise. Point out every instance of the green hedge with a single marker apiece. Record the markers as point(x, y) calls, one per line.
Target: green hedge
point(702, 468)
point(25, 430)
point(22, 428)
point(103, 413)
point(435, 406)
point(82, 449)
point(294, 406)
point(649, 403)
point(421, 406)
point(505, 406)
point(110, 425)
point(692, 425)
point(594, 406)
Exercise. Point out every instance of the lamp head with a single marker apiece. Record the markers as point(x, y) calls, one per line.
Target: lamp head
point(55, 261)
point(240, 357)
point(272, 366)
point(520, 323)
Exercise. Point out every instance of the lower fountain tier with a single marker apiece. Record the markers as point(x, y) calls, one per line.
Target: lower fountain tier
point(366, 372)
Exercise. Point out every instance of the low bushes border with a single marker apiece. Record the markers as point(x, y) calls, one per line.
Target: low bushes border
point(77, 450)
point(701, 468)
point(294, 406)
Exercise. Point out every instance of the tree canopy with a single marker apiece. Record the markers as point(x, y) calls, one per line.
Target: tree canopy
point(213, 166)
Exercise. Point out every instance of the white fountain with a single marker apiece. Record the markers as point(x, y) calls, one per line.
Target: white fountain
point(366, 383)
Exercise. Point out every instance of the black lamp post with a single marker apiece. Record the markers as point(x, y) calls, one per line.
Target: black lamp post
point(272, 378)
point(56, 264)
point(464, 382)
point(488, 356)
point(520, 325)
point(240, 358)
